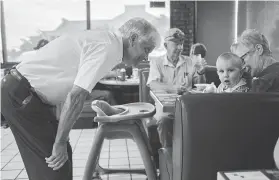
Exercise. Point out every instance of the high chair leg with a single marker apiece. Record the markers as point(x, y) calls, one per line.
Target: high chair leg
point(94, 153)
point(145, 154)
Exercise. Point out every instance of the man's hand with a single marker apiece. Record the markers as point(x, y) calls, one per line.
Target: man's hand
point(178, 89)
point(69, 114)
point(58, 157)
point(200, 65)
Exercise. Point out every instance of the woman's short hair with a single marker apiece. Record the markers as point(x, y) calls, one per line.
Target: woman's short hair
point(144, 29)
point(228, 56)
point(198, 48)
point(252, 37)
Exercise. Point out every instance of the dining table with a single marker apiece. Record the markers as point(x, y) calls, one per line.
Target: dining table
point(126, 91)
point(117, 82)
point(164, 100)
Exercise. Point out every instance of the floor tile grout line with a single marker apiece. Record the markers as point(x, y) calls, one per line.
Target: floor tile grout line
point(20, 173)
point(6, 147)
point(128, 157)
point(77, 141)
point(10, 161)
point(108, 158)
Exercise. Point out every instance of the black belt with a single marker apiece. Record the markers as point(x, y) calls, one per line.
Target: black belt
point(16, 74)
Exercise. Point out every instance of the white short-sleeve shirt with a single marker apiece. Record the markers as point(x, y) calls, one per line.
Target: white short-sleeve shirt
point(162, 70)
point(80, 58)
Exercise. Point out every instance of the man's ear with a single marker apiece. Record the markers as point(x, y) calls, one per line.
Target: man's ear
point(259, 49)
point(165, 45)
point(133, 38)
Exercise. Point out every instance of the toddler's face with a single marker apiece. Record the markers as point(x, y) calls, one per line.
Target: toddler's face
point(229, 73)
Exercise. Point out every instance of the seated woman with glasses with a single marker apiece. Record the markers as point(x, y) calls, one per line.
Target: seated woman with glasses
point(253, 48)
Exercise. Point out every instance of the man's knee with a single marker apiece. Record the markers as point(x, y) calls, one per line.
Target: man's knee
point(165, 122)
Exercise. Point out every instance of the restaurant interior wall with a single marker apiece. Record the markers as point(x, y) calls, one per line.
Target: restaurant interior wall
point(264, 16)
point(215, 27)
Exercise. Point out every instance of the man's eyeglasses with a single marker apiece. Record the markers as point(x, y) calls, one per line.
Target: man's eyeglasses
point(244, 55)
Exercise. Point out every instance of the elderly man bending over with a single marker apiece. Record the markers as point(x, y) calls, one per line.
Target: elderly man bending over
point(64, 72)
point(174, 73)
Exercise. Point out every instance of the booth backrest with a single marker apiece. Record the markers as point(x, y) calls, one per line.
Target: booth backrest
point(224, 132)
point(211, 75)
point(143, 88)
point(143, 64)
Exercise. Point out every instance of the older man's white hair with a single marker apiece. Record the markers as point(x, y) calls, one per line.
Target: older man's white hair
point(145, 30)
point(253, 37)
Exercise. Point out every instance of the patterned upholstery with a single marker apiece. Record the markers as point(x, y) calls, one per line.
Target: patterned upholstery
point(144, 95)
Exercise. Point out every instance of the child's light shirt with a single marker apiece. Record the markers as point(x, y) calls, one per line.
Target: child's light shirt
point(240, 87)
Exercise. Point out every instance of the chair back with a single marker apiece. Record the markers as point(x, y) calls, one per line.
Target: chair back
point(211, 75)
point(143, 65)
point(144, 90)
point(239, 132)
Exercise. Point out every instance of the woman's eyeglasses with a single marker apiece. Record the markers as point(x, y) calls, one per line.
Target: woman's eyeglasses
point(244, 55)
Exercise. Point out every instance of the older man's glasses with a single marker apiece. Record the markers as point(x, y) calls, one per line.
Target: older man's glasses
point(244, 55)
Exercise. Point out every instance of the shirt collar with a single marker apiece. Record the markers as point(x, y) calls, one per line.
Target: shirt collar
point(180, 62)
point(240, 83)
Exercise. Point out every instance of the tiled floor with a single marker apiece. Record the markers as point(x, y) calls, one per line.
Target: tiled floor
point(115, 154)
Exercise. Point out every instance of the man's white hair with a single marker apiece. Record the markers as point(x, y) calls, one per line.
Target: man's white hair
point(145, 30)
point(252, 37)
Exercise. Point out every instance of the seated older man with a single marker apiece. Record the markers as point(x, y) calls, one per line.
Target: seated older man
point(174, 73)
point(253, 48)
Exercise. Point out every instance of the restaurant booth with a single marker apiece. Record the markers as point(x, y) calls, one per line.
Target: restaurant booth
point(223, 132)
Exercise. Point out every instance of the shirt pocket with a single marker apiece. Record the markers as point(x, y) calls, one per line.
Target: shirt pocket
point(183, 79)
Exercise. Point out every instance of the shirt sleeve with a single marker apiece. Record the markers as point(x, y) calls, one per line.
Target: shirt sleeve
point(261, 84)
point(94, 64)
point(154, 74)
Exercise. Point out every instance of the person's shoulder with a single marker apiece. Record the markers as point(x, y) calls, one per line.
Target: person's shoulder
point(98, 35)
point(186, 58)
point(157, 59)
point(270, 73)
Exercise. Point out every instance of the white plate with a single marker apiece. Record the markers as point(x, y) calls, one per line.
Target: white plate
point(201, 87)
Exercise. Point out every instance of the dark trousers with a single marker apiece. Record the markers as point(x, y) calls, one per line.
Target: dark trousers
point(34, 127)
point(165, 130)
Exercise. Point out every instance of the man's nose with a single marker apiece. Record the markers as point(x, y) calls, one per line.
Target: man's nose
point(145, 57)
point(180, 47)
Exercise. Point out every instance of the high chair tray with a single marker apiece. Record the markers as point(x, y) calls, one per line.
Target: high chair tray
point(131, 111)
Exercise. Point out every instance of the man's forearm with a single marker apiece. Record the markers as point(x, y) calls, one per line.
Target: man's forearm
point(70, 112)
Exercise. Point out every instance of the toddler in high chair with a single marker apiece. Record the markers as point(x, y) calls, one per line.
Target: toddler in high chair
point(230, 71)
